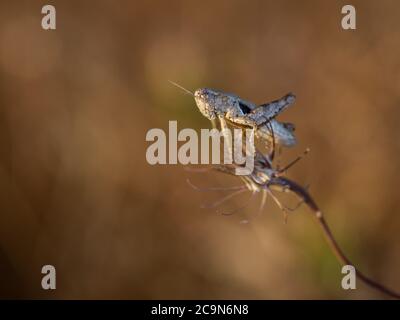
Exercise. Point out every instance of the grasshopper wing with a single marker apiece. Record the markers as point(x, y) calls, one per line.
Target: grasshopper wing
point(266, 112)
point(283, 133)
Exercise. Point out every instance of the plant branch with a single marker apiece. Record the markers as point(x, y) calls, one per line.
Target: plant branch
point(340, 255)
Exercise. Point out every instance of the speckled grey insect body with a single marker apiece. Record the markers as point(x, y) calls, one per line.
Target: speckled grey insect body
point(229, 107)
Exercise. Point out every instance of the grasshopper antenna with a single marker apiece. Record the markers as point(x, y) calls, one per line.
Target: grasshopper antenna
point(182, 88)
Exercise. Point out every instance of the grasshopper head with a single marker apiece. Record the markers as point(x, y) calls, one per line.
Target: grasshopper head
point(205, 100)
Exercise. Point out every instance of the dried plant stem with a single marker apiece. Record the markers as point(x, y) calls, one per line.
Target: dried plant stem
point(343, 259)
point(303, 194)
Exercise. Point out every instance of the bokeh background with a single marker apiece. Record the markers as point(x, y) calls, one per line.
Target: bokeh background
point(76, 190)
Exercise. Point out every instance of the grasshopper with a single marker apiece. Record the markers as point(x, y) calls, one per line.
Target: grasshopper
point(226, 107)
point(230, 108)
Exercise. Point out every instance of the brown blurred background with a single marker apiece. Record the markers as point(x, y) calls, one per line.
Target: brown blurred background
point(77, 192)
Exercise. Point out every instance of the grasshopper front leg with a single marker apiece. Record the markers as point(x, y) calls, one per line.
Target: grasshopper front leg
point(214, 123)
point(227, 140)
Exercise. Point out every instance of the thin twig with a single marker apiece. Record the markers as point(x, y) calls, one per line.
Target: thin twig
point(340, 255)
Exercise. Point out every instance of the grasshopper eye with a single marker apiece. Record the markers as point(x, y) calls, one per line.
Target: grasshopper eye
point(201, 93)
point(197, 93)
